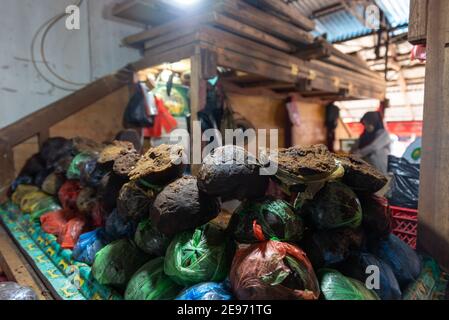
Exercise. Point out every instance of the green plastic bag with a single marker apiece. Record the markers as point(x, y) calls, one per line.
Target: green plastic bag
point(335, 286)
point(276, 218)
point(198, 256)
point(334, 206)
point(116, 263)
point(74, 170)
point(151, 283)
point(49, 204)
point(150, 240)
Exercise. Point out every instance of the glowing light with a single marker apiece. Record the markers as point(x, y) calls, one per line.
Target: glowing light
point(185, 2)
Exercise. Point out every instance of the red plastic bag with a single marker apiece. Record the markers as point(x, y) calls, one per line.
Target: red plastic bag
point(98, 216)
point(54, 222)
point(71, 232)
point(68, 194)
point(273, 270)
point(163, 120)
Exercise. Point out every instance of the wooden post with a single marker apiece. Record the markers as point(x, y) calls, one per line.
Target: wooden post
point(43, 136)
point(433, 225)
point(203, 67)
point(417, 30)
point(7, 170)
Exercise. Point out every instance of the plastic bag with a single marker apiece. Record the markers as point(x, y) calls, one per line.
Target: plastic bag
point(109, 189)
point(86, 200)
point(430, 285)
point(136, 113)
point(44, 206)
point(13, 291)
point(357, 267)
point(21, 191)
point(377, 218)
point(78, 162)
point(71, 232)
point(88, 245)
point(336, 286)
point(31, 200)
point(402, 259)
point(150, 240)
point(181, 206)
point(40, 177)
point(68, 194)
point(54, 222)
point(118, 227)
point(404, 187)
point(273, 270)
point(98, 215)
point(53, 183)
point(206, 291)
point(54, 149)
point(91, 173)
point(199, 256)
point(151, 283)
point(116, 263)
point(25, 180)
point(231, 172)
point(334, 206)
point(134, 202)
point(276, 218)
point(33, 166)
point(326, 248)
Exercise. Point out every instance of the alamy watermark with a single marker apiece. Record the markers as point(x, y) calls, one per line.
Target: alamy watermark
point(73, 19)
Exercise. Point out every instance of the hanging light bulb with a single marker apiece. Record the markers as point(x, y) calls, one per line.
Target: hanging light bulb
point(185, 2)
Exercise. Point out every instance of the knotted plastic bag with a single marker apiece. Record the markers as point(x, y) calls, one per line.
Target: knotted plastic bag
point(361, 266)
point(198, 256)
point(116, 263)
point(150, 240)
point(336, 286)
point(26, 180)
point(71, 232)
point(151, 283)
point(44, 206)
point(54, 222)
point(273, 270)
point(77, 164)
point(207, 291)
point(334, 206)
point(88, 245)
point(402, 259)
point(68, 194)
point(21, 191)
point(377, 218)
point(118, 227)
point(31, 200)
point(134, 202)
point(276, 218)
point(86, 200)
point(13, 291)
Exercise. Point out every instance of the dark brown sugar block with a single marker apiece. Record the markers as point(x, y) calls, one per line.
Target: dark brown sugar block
point(360, 175)
point(231, 172)
point(306, 161)
point(115, 150)
point(125, 163)
point(134, 202)
point(182, 206)
point(160, 165)
point(86, 145)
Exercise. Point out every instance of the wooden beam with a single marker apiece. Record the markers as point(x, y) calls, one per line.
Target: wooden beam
point(7, 169)
point(433, 219)
point(417, 27)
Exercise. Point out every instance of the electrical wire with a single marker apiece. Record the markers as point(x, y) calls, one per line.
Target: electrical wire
point(47, 27)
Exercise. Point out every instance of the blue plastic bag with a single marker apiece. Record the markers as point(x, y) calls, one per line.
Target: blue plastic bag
point(402, 259)
point(88, 245)
point(117, 227)
point(206, 291)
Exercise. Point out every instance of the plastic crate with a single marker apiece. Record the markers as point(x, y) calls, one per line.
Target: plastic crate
point(405, 224)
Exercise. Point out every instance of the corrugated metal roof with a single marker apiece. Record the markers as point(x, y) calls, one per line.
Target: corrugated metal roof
point(342, 25)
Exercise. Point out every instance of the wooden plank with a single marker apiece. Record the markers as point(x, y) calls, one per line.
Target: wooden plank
point(6, 168)
point(417, 28)
point(265, 22)
point(146, 12)
point(433, 219)
point(43, 136)
point(171, 55)
point(290, 11)
point(17, 269)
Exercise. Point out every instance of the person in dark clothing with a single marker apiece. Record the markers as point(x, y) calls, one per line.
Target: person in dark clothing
point(374, 145)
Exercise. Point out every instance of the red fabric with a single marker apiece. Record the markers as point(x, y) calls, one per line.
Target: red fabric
point(71, 232)
point(68, 194)
point(253, 263)
point(163, 120)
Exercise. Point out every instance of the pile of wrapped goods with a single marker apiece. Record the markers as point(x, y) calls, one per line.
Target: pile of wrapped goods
point(150, 232)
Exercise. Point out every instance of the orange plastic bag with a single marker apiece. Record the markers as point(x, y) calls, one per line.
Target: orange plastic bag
point(273, 270)
point(54, 222)
point(68, 194)
point(71, 232)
